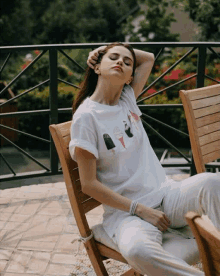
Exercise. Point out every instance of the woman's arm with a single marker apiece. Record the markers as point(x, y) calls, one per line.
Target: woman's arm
point(94, 188)
point(145, 62)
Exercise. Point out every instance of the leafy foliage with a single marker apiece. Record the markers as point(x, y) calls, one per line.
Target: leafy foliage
point(206, 14)
point(156, 25)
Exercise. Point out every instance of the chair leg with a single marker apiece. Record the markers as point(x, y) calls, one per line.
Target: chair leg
point(131, 272)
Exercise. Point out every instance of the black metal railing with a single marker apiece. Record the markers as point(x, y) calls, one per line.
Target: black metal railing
point(200, 49)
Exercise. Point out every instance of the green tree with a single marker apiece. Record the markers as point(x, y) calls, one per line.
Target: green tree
point(62, 21)
point(156, 25)
point(206, 14)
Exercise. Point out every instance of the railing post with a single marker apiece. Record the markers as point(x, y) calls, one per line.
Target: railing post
point(53, 106)
point(201, 63)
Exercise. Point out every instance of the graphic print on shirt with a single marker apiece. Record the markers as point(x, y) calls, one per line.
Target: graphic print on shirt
point(128, 129)
point(119, 135)
point(134, 118)
point(109, 143)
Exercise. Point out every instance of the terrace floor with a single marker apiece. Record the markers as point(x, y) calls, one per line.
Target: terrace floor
point(37, 228)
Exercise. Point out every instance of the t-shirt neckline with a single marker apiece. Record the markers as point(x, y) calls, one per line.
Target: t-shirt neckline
point(105, 106)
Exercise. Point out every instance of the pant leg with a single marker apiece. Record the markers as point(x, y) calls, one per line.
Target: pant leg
point(199, 193)
point(140, 243)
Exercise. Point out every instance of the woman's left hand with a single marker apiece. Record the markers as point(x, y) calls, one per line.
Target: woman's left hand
point(93, 56)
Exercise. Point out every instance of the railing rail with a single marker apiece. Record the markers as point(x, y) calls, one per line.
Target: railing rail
point(200, 48)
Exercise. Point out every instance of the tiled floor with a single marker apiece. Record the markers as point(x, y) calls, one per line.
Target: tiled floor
point(37, 228)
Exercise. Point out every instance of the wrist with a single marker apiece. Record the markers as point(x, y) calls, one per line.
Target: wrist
point(139, 210)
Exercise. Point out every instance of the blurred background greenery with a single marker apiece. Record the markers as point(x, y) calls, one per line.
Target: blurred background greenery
point(34, 22)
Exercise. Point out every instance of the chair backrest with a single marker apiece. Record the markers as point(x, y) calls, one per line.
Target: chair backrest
point(202, 110)
point(80, 202)
point(208, 240)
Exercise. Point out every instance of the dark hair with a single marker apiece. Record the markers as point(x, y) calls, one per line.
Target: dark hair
point(90, 81)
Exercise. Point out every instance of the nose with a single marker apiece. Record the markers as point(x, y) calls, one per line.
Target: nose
point(120, 61)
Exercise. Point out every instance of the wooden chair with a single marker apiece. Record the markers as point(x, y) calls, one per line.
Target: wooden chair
point(208, 240)
point(82, 203)
point(100, 249)
point(202, 110)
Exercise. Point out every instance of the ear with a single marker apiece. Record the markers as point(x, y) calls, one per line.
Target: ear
point(96, 69)
point(130, 80)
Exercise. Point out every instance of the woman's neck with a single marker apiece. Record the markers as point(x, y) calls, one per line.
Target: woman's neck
point(107, 94)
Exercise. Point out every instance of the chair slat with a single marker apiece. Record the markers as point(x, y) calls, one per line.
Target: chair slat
point(83, 197)
point(64, 128)
point(211, 156)
point(211, 137)
point(66, 141)
point(206, 111)
point(201, 103)
point(90, 204)
point(207, 120)
point(210, 147)
point(208, 129)
point(201, 93)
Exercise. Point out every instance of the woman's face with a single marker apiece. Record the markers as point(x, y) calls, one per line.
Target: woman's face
point(117, 63)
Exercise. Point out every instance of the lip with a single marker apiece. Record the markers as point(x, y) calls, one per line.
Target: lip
point(118, 68)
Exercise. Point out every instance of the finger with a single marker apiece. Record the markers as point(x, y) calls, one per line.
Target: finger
point(90, 65)
point(166, 218)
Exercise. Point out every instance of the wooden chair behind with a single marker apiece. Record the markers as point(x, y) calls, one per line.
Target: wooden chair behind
point(208, 240)
point(82, 203)
point(202, 110)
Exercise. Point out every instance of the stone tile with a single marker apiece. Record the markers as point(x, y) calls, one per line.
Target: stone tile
point(9, 193)
point(64, 258)
point(10, 239)
point(19, 261)
point(20, 218)
point(36, 219)
point(19, 274)
point(54, 228)
point(70, 228)
point(12, 225)
point(59, 269)
point(53, 211)
point(36, 246)
point(4, 201)
point(60, 185)
point(5, 254)
point(56, 204)
point(38, 226)
point(55, 220)
point(30, 195)
point(41, 236)
point(28, 209)
point(5, 216)
point(2, 265)
point(38, 262)
point(93, 220)
point(2, 224)
point(65, 244)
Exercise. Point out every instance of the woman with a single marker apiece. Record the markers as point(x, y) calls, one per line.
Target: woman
point(119, 168)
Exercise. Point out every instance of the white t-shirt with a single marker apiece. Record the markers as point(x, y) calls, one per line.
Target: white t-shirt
point(126, 162)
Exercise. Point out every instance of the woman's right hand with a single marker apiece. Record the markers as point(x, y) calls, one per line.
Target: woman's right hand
point(93, 56)
point(153, 216)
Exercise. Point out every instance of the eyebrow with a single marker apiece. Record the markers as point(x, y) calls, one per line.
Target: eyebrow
point(119, 54)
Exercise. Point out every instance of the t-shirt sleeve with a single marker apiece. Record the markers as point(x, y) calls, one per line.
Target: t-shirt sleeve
point(83, 135)
point(128, 97)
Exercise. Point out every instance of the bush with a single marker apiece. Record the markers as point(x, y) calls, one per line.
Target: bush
point(38, 124)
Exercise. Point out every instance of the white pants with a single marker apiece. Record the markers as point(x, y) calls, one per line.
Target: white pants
point(141, 243)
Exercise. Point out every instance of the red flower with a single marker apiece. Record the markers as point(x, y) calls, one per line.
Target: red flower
point(23, 66)
point(174, 75)
point(37, 52)
point(151, 91)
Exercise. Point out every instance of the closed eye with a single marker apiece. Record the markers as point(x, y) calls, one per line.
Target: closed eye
point(126, 60)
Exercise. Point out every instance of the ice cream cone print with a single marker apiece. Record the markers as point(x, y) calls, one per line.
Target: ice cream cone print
point(133, 120)
point(119, 135)
point(135, 116)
